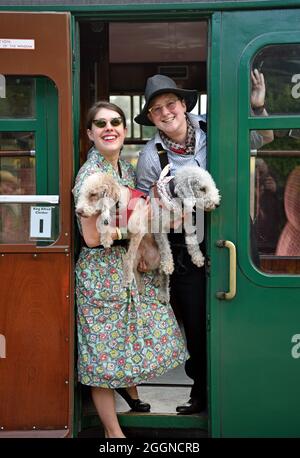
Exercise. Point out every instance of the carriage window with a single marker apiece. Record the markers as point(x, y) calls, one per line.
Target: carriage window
point(275, 203)
point(17, 97)
point(29, 179)
point(280, 65)
point(17, 177)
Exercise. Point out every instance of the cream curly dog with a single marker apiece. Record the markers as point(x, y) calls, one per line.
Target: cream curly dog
point(101, 194)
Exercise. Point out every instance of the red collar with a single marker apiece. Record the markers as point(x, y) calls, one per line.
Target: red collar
point(122, 217)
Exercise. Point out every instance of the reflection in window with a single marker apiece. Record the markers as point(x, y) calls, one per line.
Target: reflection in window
point(275, 205)
point(17, 177)
point(17, 157)
point(280, 65)
point(19, 97)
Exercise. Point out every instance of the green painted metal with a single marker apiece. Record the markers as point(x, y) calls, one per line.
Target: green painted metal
point(153, 421)
point(254, 379)
point(46, 131)
point(41, 160)
point(118, 9)
point(215, 221)
point(45, 128)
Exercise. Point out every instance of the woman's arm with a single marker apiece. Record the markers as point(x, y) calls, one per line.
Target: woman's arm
point(90, 234)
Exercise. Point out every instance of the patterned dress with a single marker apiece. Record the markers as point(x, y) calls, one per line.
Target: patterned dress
point(123, 338)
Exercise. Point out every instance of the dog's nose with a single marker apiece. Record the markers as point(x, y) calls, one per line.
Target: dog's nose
point(106, 222)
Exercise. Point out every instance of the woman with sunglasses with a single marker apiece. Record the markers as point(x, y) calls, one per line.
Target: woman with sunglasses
point(123, 338)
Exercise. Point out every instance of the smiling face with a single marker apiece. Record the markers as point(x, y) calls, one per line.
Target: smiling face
point(167, 112)
point(109, 139)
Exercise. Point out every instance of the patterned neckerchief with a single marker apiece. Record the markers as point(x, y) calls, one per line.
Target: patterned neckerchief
point(188, 148)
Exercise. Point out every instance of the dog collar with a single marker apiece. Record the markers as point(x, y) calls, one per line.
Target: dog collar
point(122, 217)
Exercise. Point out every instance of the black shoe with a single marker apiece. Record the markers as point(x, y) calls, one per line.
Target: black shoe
point(136, 405)
point(191, 407)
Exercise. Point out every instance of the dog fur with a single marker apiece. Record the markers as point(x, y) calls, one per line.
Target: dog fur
point(193, 186)
point(99, 194)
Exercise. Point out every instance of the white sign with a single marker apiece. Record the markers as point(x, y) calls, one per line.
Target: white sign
point(40, 222)
point(2, 346)
point(9, 43)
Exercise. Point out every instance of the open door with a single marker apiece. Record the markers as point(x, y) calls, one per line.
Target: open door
point(116, 58)
point(36, 311)
point(254, 296)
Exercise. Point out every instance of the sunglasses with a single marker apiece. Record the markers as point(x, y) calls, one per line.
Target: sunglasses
point(102, 122)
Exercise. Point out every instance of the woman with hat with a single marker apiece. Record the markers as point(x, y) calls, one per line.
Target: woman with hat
point(179, 141)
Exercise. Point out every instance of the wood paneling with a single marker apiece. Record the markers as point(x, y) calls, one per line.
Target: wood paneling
point(35, 313)
point(50, 57)
point(280, 265)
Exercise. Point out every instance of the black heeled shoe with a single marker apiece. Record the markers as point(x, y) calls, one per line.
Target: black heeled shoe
point(136, 405)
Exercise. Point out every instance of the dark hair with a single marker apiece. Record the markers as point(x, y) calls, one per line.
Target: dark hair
point(103, 104)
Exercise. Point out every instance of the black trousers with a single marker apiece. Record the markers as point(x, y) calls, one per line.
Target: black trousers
point(188, 300)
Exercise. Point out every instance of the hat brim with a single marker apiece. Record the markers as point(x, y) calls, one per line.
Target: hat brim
point(190, 97)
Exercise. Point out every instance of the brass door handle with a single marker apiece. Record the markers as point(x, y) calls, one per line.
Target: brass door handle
point(232, 270)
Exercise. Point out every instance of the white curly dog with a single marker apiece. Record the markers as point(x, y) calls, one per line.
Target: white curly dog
point(192, 187)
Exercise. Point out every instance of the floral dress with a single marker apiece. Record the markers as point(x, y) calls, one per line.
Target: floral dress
point(124, 338)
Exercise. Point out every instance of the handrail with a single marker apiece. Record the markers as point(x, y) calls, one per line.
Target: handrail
point(232, 270)
point(28, 199)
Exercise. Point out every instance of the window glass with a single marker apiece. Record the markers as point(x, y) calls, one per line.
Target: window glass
point(17, 177)
point(280, 65)
point(29, 162)
point(17, 159)
point(275, 204)
point(17, 97)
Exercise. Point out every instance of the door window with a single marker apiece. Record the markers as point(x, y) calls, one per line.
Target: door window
point(275, 167)
point(280, 66)
point(28, 161)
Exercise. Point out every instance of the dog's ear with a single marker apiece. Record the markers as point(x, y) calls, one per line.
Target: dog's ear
point(93, 196)
point(113, 191)
point(199, 188)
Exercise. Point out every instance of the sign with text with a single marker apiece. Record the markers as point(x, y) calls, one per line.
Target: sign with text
point(10, 43)
point(40, 222)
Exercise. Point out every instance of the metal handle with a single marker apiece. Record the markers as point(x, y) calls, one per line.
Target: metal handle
point(28, 199)
point(232, 270)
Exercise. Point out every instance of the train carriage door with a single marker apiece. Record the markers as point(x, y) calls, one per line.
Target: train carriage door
point(255, 264)
point(36, 333)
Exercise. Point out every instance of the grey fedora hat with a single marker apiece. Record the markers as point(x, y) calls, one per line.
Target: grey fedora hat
point(159, 84)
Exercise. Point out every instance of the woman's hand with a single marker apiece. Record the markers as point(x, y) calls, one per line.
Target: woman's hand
point(258, 92)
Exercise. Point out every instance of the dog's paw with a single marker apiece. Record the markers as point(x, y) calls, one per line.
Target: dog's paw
point(106, 239)
point(198, 259)
point(127, 280)
point(167, 266)
point(163, 296)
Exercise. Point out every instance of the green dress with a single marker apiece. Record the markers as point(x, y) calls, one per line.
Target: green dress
point(124, 338)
